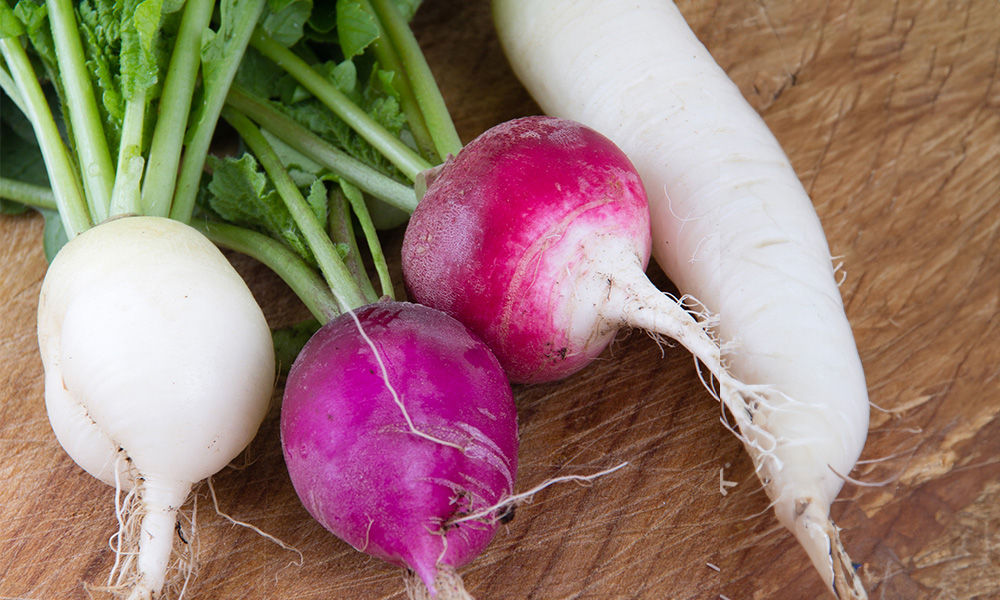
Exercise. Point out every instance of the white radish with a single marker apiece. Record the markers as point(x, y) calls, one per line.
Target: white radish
point(732, 226)
point(159, 368)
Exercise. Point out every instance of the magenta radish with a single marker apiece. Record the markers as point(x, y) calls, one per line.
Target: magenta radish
point(396, 421)
point(536, 236)
point(731, 225)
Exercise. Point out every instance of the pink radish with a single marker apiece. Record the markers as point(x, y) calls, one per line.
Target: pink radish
point(397, 421)
point(536, 236)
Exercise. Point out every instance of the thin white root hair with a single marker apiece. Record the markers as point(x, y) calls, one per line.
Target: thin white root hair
point(125, 575)
point(894, 455)
point(392, 390)
point(860, 483)
point(698, 310)
point(444, 546)
point(251, 527)
point(368, 533)
point(889, 411)
point(838, 269)
point(116, 539)
point(683, 220)
point(723, 483)
point(760, 513)
point(527, 496)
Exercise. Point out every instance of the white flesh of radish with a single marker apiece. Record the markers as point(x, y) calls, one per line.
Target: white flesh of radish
point(158, 363)
point(732, 226)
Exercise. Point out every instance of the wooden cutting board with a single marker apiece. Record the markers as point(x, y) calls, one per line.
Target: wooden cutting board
point(890, 113)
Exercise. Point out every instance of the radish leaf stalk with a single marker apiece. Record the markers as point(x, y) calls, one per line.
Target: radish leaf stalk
point(91, 145)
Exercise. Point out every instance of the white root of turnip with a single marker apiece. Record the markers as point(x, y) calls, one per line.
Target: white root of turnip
point(159, 369)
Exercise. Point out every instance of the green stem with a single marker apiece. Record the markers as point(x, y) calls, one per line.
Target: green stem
point(94, 157)
point(37, 196)
point(386, 55)
point(216, 86)
point(175, 105)
point(391, 147)
point(125, 196)
point(300, 277)
point(418, 72)
point(63, 177)
point(341, 228)
point(308, 143)
point(371, 237)
point(10, 88)
point(348, 294)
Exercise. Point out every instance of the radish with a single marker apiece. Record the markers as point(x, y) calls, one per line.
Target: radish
point(398, 426)
point(731, 225)
point(536, 236)
point(158, 368)
point(456, 452)
point(396, 420)
point(159, 364)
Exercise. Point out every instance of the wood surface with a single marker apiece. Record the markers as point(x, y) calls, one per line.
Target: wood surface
point(890, 112)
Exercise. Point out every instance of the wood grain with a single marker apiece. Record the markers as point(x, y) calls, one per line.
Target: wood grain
point(890, 113)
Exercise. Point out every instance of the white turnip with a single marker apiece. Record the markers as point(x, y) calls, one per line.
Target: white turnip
point(731, 225)
point(159, 369)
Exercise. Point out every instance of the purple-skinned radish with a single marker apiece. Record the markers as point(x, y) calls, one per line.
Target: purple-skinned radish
point(397, 421)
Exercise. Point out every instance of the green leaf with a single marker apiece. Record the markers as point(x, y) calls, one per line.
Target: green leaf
point(146, 22)
point(345, 76)
point(261, 76)
point(317, 199)
point(20, 156)
point(356, 28)
point(9, 207)
point(408, 8)
point(54, 234)
point(323, 20)
point(101, 36)
point(35, 18)
point(285, 20)
point(288, 342)
point(241, 194)
point(139, 69)
point(10, 25)
point(142, 49)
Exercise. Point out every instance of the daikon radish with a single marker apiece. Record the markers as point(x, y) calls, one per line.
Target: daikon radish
point(732, 227)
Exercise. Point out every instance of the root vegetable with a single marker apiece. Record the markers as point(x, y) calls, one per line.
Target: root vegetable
point(731, 225)
point(396, 420)
point(525, 235)
point(158, 364)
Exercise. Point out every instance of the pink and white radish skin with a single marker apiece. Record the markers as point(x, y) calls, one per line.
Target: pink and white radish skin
point(395, 422)
point(732, 226)
point(159, 368)
point(536, 236)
